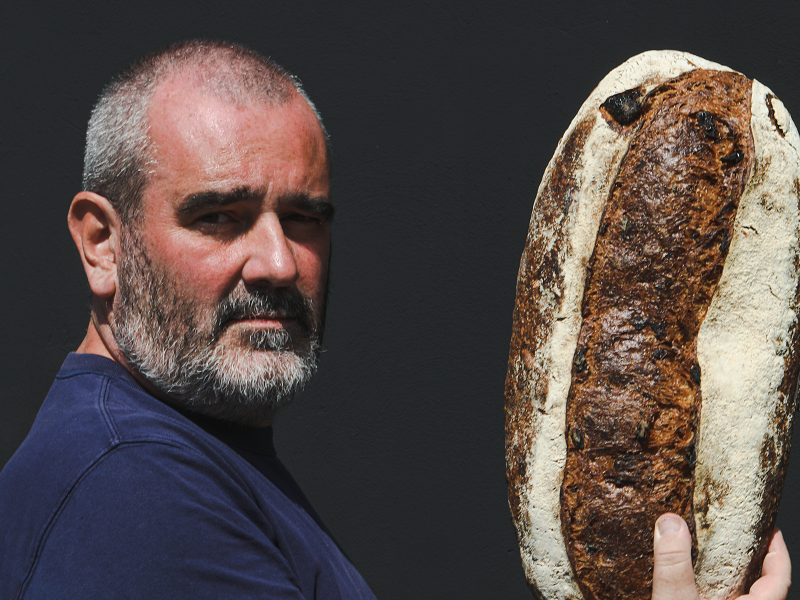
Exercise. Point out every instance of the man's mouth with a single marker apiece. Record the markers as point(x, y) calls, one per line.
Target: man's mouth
point(279, 310)
point(263, 319)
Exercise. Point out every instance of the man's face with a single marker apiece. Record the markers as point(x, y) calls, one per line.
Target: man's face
point(222, 284)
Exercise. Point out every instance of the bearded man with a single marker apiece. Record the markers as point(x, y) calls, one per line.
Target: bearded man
point(204, 231)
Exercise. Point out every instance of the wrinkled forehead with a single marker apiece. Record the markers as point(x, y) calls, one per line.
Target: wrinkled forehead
point(201, 140)
point(183, 108)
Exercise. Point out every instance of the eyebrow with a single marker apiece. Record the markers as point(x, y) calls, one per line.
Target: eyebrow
point(214, 199)
point(320, 207)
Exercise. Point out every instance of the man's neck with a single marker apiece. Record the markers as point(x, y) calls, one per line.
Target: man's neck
point(93, 343)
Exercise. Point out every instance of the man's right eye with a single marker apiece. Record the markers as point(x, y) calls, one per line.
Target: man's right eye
point(215, 218)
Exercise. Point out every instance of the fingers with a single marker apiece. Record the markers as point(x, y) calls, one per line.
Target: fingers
point(673, 576)
point(776, 573)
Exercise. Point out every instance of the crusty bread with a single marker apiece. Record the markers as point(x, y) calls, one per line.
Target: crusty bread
point(722, 348)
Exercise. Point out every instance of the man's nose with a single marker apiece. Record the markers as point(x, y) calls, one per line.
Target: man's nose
point(270, 258)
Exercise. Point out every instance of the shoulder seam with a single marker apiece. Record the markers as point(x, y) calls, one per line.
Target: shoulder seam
point(59, 507)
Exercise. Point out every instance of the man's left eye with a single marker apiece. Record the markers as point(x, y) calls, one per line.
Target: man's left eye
point(216, 218)
point(300, 218)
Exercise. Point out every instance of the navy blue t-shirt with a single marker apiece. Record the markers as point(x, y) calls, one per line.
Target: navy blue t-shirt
point(114, 494)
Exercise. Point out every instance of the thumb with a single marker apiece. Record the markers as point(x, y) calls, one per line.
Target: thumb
point(673, 576)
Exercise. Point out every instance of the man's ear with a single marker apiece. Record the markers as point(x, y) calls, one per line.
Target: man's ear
point(95, 228)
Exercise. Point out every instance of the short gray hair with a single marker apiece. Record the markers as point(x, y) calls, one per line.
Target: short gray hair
point(118, 158)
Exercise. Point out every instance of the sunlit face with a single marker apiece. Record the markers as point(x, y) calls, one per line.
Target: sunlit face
point(222, 284)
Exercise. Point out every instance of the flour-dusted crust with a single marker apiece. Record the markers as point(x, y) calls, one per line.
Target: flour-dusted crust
point(547, 320)
point(747, 350)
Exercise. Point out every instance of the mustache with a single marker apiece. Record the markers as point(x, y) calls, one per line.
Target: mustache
point(285, 302)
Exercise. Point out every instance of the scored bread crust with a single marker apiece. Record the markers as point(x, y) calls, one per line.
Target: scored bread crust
point(747, 351)
point(746, 346)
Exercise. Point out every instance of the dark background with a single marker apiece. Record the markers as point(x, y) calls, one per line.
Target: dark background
point(443, 116)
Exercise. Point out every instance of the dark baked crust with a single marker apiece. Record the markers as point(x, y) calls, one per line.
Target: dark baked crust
point(634, 403)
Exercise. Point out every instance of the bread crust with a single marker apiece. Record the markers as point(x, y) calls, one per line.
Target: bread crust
point(747, 350)
point(634, 401)
point(547, 320)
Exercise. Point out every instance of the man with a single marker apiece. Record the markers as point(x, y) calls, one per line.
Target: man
point(204, 231)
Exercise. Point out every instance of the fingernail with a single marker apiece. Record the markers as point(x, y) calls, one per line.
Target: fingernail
point(668, 525)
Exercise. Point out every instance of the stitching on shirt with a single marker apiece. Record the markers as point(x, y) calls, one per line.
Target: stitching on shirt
point(101, 373)
point(102, 402)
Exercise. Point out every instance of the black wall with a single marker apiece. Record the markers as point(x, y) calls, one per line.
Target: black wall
point(443, 117)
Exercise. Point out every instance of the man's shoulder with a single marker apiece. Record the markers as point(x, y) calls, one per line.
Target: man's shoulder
point(141, 510)
point(104, 455)
point(164, 520)
point(94, 410)
point(94, 407)
point(134, 496)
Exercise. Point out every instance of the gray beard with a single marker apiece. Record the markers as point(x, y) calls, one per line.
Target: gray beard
point(242, 378)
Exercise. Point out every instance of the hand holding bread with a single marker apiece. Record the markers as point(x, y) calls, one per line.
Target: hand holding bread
point(673, 576)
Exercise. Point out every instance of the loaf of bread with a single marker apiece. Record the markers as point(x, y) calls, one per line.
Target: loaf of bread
point(654, 356)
